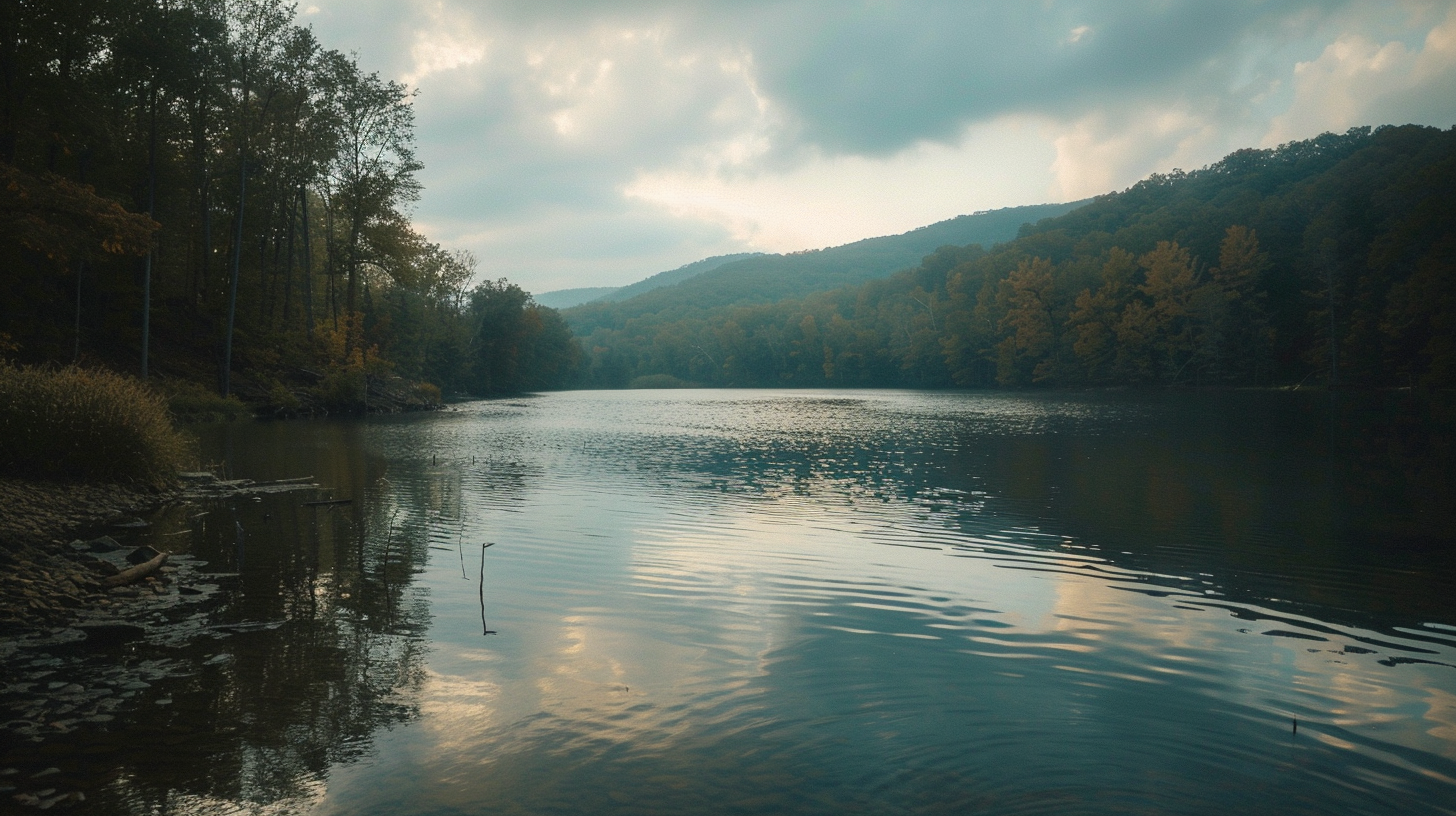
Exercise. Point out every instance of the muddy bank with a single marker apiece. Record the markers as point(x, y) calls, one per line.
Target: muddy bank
point(43, 580)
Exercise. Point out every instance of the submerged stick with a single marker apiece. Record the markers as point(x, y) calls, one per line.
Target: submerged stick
point(328, 502)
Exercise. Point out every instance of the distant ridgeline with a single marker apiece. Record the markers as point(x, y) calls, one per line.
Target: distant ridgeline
point(712, 285)
point(1327, 260)
point(566, 298)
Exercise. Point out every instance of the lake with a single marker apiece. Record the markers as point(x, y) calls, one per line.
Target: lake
point(791, 602)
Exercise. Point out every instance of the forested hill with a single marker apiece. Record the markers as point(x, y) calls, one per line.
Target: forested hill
point(566, 298)
point(1331, 260)
point(675, 276)
point(770, 278)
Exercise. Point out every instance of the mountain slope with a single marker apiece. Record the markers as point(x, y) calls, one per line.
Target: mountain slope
point(770, 278)
point(675, 276)
point(566, 298)
point(1330, 260)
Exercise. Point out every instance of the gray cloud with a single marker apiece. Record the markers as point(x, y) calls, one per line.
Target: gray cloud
point(533, 118)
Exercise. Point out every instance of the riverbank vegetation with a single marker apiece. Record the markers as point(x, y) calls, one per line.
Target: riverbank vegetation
point(203, 192)
point(1327, 261)
point(89, 425)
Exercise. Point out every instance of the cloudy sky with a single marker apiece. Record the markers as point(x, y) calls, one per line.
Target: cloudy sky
point(595, 142)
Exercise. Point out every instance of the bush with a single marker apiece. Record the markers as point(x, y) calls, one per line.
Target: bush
point(86, 425)
point(191, 402)
point(342, 390)
point(427, 394)
point(281, 400)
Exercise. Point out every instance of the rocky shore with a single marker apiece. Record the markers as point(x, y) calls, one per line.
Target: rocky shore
point(44, 581)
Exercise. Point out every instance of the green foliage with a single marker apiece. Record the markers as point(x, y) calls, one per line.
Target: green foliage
point(192, 402)
point(283, 176)
point(769, 278)
point(1331, 257)
point(427, 393)
point(85, 424)
point(342, 391)
point(281, 400)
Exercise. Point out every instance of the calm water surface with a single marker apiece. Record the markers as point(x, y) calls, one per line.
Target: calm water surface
point(799, 602)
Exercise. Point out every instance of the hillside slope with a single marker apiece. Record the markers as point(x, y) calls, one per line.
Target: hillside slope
point(770, 278)
point(1325, 261)
point(566, 298)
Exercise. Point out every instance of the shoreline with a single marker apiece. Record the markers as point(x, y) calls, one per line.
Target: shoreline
point(43, 582)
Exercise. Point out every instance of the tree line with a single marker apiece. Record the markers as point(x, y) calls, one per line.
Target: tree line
point(202, 190)
point(1330, 261)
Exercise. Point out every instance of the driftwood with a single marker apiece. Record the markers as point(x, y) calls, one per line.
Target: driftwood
point(328, 503)
point(140, 571)
point(274, 482)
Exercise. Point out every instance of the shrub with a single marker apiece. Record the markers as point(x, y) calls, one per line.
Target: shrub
point(427, 393)
point(85, 424)
point(191, 402)
point(342, 390)
point(281, 400)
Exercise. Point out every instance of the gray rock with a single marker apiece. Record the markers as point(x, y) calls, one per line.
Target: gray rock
point(141, 555)
point(104, 544)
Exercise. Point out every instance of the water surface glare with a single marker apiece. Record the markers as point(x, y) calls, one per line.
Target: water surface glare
point(812, 602)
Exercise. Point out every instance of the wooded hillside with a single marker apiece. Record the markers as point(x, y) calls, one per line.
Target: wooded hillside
point(1331, 260)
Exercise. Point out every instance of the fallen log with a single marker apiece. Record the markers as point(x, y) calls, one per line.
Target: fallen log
point(137, 573)
point(327, 503)
point(274, 482)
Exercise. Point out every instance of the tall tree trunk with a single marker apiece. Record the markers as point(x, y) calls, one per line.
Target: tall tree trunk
point(232, 308)
point(332, 272)
point(76, 350)
point(9, 39)
point(263, 273)
point(288, 262)
point(307, 268)
point(147, 264)
point(203, 270)
point(352, 289)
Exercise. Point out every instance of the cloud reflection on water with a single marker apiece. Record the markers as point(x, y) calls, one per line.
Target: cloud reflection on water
point(787, 608)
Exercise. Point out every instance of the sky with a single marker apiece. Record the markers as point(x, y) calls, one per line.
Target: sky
point(575, 143)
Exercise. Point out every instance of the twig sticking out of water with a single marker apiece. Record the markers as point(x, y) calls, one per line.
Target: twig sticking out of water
point(484, 630)
point(460, 543)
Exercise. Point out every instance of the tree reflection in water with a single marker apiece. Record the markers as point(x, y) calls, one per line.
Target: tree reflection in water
point(291, 667)
point(712, 548)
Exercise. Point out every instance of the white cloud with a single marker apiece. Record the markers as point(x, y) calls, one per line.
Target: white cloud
point(833, 199)
point(1357, 80)
point(447, 42)
point(1111, 149)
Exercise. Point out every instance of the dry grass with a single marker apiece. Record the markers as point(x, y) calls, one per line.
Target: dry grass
point(85, 425)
